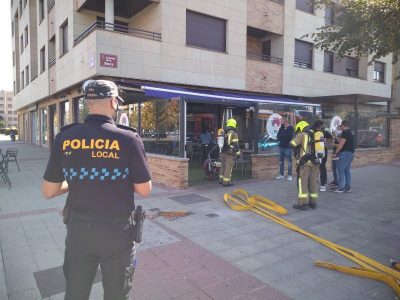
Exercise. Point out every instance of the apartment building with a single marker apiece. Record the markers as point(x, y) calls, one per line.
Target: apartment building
point(8, 116)
point(183, 66)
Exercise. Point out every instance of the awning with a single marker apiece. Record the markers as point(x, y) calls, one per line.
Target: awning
point(201, 95)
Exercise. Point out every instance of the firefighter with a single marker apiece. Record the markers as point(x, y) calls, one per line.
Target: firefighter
point(230, 151)
point(307, 144)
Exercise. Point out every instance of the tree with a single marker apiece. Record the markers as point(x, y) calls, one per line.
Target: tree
point(362, 27)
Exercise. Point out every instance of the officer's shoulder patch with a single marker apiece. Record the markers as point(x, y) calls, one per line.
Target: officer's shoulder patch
point(127, 128)
point(69, 126)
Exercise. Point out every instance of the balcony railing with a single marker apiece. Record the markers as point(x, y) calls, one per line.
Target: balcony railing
point(302, 64)
point(118, 28)
point(50, 5)
point(52, 62)
point(263, 57)
point(279, 1)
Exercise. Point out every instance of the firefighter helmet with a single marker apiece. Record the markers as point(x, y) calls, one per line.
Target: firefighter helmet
point(301, 126)
point(231, 123)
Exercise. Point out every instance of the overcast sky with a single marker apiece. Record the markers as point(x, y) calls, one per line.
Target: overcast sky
point(6, 71)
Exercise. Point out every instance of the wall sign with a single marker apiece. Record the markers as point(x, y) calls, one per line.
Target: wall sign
point(108, 60)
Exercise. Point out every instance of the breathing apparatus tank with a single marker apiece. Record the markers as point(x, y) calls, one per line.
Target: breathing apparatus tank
point(319, 144)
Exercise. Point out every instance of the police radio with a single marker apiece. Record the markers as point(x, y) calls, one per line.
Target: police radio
point(138, 217)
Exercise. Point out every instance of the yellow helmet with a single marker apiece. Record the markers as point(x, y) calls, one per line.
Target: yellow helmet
point(301, 126)
point(231, 123)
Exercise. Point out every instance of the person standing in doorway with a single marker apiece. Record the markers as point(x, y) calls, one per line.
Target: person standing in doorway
point(322, 167)
point(230, 151)
point(285, 135)
point(345, 153)
point(206, 143)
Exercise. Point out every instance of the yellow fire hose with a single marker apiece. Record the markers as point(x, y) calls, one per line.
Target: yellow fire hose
point(239, 200)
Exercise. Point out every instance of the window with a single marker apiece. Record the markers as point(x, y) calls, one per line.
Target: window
point(328, 61)
point(42, 60)
point(9, 112)
point(9, 99)
point(25, 1)
point(43, 126)
point(12, 28)
point(205, 31)
point(20, 8)
point(329, 15)
point(26, 36)
point(14, 87)
point(52, 51)
point(22, 79)
point(305, 5)
point(351, 67)
point(41, 11)
point(303, 54)
point(379, 72)
point(27, 75)
point(9, 105)
point(64, 38)
point(13, 58)
point(22, 43)
point(81, 110)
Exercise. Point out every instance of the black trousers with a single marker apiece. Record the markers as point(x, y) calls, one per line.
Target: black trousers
point(92, 243)
point(322, 169)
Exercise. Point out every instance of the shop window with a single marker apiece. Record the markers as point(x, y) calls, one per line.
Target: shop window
point(372, 130)
point(80, 110)
point(303, 54)
point(379, 72)
point(53, 121)
point(159, 126)
point(65, 119)
point(305, 5)
point(205, 31)
point(269, 120)
point(43, 126)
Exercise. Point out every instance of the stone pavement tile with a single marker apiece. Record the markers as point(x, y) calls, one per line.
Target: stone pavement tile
point(27, 293)
point(194, 295)
point(254, 262)
point(263, 293)
point(381, 291)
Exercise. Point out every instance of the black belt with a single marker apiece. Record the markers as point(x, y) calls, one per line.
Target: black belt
point(118, 218)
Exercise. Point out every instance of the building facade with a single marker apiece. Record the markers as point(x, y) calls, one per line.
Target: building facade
point(8, 116)
point(183, 66)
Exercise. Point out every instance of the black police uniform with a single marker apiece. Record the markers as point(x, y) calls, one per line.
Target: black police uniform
point(100, 162)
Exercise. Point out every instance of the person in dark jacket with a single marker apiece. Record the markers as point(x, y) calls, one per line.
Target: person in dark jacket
point(322, 167)
point(285, 135)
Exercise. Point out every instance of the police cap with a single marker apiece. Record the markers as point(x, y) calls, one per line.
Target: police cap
point(100, 89)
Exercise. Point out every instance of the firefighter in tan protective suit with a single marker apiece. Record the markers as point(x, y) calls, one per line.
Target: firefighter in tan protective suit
point(308, 144)
point(230, 151)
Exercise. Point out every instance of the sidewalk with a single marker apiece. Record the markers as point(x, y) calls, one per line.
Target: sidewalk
point(214, 253)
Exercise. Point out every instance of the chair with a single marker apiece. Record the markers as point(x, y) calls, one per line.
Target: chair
point(11, 156)
point(3, 172)
point(242, 161)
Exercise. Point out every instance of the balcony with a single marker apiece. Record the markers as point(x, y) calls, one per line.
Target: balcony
point(266, 15)
point(122, 8)
point(264, 57)
point(264, 73)
point(117, 28)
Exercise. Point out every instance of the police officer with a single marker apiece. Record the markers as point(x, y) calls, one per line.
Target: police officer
point(307, 165)
point(100, 166)
point(230, 151)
